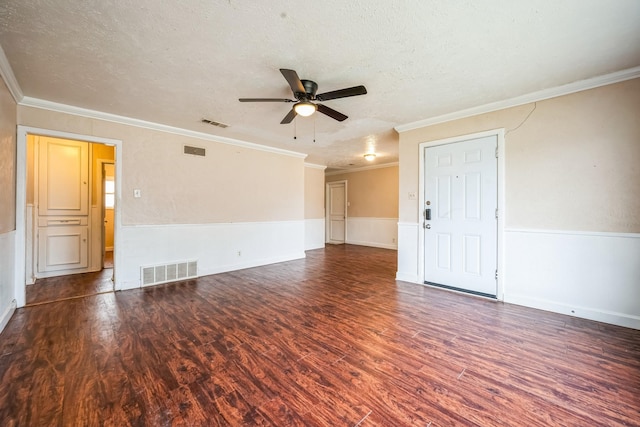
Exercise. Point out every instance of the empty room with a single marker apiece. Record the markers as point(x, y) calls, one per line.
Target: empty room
point(227, 213)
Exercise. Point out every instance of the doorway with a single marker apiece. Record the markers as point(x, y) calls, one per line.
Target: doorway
point(461, 226)
point(336, 209)
point(60, 228)
point(108, 205)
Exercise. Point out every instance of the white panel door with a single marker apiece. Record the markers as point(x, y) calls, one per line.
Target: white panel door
point(461, 199)
point(337, 208)
point(63, 180)
point(62, 248)
point(63, 206)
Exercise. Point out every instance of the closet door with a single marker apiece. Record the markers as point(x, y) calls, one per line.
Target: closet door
point(63, 206)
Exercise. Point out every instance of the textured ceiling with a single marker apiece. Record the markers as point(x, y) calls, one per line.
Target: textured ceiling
point(175, 63)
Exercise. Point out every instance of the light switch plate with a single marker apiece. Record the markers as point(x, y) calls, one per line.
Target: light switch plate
point(412, 195)
point(137, 193)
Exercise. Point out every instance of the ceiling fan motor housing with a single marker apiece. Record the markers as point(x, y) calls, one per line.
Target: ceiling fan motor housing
point(310, 88)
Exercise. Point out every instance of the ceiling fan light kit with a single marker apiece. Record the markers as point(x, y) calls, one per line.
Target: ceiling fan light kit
point(370, 157)
point(304, 108)
point(304, 91)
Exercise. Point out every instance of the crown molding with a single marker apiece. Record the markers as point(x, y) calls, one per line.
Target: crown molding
point(314, 166)
point(579, 86)
point(99, 115)
point(364, 168)
point(9, 78)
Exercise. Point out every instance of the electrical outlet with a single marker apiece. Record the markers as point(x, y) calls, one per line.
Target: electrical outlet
point(239, 253)
point(393, 240)
point(137, 193)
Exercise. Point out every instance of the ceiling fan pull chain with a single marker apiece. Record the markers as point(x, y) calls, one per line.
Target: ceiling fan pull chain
point(314, 128)
point(295, 128)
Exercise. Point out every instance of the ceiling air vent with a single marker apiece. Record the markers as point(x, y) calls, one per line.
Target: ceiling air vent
point(214, 123)
point(196, 151)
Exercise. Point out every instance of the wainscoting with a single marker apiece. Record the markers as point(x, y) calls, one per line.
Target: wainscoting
point(216, 247)
point(7, 279)
point(591, 275)
point(313, 234)
point(374, 232)
point(585, 274)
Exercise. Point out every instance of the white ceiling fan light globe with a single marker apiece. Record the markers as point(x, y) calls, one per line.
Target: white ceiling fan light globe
point(305, 109)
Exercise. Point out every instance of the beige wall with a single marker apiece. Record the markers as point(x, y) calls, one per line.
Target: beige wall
point(313, 192)
point(7, 160)
point(230, 184)
point(371, 193)
point(572, 165)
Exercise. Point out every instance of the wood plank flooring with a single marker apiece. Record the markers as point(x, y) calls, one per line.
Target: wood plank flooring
point(331, 340)
point(72, 286)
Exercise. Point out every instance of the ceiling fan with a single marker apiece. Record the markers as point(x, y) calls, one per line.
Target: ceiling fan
point(305, 92)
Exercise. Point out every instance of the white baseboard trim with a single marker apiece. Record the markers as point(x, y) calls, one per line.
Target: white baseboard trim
point(6, 316)
point(404, 277)
point(619, 319)
point(250, 264)
point(372, 244)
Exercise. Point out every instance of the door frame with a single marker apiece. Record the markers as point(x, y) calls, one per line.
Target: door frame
point(327, 210)
point(100, 163)
point(20, 261)
point(500, 250)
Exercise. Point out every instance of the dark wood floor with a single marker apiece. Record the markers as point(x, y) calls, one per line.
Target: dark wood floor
point(332, 340)
point(72, 286)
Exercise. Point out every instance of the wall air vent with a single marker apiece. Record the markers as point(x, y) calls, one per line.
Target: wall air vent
point(196, 151)
point(214, 123)
point(165, 273)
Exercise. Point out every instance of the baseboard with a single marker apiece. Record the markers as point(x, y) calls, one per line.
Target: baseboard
point(6, 316)
point(250, 264)
point(372, 244)
point(619, 319)
point(404, 277)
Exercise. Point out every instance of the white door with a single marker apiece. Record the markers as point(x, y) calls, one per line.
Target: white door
point(63, 206)
point(337, 212)
point(459, 216)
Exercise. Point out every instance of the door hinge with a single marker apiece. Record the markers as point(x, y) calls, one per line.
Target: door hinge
point(496, 274)
point(496, 152)
point(496, 213)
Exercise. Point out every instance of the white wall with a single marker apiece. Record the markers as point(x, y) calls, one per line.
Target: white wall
point(217, 247)
point(585, 274)
point(314, 233)
point(375, 232)
point(7, 296)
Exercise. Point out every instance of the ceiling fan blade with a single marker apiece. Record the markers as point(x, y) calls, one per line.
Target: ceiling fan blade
point(265, 100)
point(289, 117)
point(332, 113)
point(342, 93)
point(293, 80)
